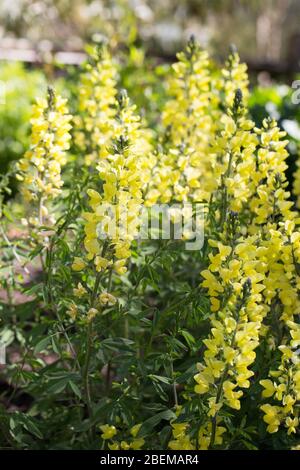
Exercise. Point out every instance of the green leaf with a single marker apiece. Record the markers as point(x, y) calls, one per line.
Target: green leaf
point(188, 337)
point(150, 423)
point(26, 422)
point(160, 378)
point(75, 389)
point(183, 378)
point(160, 391)
point(117, 344)
point(249, 445)
point(42, 345)
point(55, 345)
point(58, 386)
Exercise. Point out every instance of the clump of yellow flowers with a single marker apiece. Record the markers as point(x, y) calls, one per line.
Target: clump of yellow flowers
point(273, 261)
point(118, 147)
point(94, 124)
point(212, 152)
point(112, 225)
point(253, 269)
point(229, 347)
point(283, 386)
point(40, 168)
point(188, 120)
point(184, 171)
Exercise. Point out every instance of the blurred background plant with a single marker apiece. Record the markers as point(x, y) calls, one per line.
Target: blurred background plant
point(20, 89)
point(44, 34)
point(21, 86)
point(263, 30)
point(276, 100)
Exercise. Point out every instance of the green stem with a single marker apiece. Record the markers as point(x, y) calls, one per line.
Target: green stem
point(53, 305)
point(174, 385)
point(12, 247)
point(86, 367)
point(85, 372)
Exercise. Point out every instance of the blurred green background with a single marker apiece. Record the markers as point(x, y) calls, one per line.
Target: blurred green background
point(263, 30)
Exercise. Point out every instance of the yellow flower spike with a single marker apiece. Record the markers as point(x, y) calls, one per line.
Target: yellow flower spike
point(234, 76)
point(40, 168)
point(97, 99)
point(116, 213)
point(188, 119)
point(251, 190)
